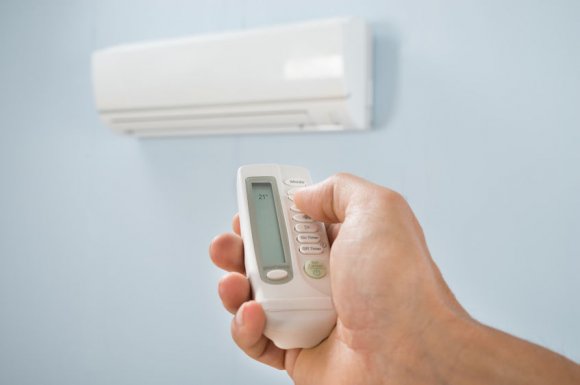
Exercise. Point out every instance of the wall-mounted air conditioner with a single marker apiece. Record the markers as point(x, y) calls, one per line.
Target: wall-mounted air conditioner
point(305, 77)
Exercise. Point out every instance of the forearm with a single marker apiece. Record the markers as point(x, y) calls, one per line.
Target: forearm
point(484, 355)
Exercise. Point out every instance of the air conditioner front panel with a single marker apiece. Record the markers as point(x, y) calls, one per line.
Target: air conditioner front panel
point(310, 76)
point(246, 67)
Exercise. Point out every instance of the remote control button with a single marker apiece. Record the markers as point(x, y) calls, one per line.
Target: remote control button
point(295, 182)
point(277, 274)
point(315, 269)
point(310, 249)
point(302, 218)
point(295, 209)
point(306, 228)
point(292, 191)
point(308, 238)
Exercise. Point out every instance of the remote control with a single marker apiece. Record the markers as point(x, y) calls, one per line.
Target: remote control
point(286, 256)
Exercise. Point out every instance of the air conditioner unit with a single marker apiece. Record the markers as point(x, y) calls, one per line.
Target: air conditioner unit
point(306, 77)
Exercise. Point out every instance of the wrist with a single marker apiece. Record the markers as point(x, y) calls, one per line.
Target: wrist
point(428, 349)
point(451, 338)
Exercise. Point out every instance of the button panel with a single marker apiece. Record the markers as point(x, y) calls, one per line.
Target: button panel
point(309, 236)
point(315, 269)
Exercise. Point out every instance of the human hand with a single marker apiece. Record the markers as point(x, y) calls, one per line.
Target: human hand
point(398, 322)
point(385, 287)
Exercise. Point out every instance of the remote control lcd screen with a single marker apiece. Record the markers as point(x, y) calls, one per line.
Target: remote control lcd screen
point(265, 219)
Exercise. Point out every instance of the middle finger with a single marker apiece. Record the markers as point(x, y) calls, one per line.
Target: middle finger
point(227, 252)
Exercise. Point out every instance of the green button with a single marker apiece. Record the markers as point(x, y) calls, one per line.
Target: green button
point(315, 269)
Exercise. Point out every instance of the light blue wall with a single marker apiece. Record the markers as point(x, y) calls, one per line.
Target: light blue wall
point(104, 274)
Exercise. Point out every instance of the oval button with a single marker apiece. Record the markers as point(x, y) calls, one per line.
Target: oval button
point(292, 191)
point(302, 218)
point(277, 274)
point(310, 249)
point(295, 182)
point(295, 209)
point(308, 238)
point(315, 269)
point(306, 228)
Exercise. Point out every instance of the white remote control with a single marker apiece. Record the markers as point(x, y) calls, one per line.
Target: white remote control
point(286, 256)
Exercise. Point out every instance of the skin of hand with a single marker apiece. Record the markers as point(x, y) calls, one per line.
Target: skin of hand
point(398, 322)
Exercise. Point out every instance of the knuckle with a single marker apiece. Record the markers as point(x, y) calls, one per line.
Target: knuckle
point(393, 198)
point(342, 177)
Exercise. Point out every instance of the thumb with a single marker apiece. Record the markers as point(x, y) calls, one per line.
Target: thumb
point(329, 201)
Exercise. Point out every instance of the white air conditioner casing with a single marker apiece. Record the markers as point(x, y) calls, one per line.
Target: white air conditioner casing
point(305, 77)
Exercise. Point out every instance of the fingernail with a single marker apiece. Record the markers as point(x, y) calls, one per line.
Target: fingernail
point(240, 317)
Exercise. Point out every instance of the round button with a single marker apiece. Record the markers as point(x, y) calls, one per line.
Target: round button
point(277, 274)
point(315, 269)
